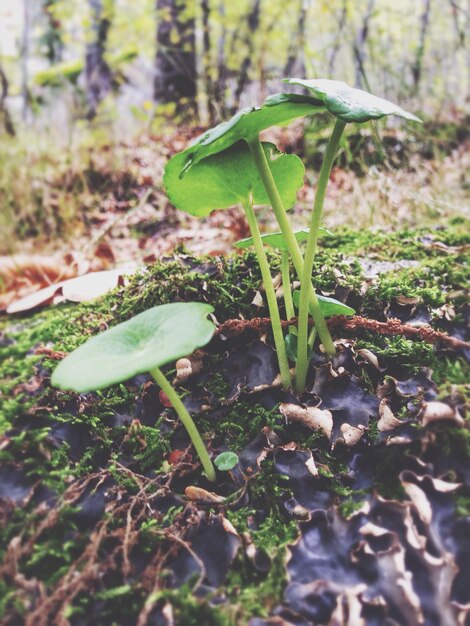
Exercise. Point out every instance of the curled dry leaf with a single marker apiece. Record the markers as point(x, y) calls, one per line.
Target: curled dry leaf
point(78, 289)
point(310, 465)
point(370, 357)
point(257, 300)
point(197, 494)
point(312, 417)
point(387, 420)
point(22, 274)
point(437, 411)
point(352, 434)
point(419, 499)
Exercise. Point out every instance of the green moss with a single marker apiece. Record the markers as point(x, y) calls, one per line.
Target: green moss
point(390, 245)
point(230, 285)
point(244, 422)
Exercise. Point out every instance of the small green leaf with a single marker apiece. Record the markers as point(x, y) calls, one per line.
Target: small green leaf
point(226, 461)
point(349, 104)
point(291, 346)
point(276, 240)
point(329, 306)
point(277, 110)
point(148, 340)
point(230, 178)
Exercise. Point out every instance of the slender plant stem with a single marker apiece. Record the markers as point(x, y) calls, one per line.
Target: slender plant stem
point(287, 289)
point(312, 337)
point(269, 183)
point(187, 420)
point(270, 297)
point(302, 344)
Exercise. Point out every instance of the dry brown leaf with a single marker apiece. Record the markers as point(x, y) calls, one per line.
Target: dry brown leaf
point(20, 275)
point(78, 289)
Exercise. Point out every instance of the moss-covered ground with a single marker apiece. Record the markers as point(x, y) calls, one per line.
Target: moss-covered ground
point(58, 449)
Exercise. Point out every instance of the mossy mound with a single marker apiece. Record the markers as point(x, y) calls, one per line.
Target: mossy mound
point(106, 516)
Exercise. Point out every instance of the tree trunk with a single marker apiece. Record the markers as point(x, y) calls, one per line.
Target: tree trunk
point(97, 73)
point(220, 82)
point(4, 113)
point(339, 37)
point(295, 64)
point(359, 47)
point(52, 37)
point(25, 57)
point(418, 63)
point(175, 61)
point(253, 23)
point(202, 42)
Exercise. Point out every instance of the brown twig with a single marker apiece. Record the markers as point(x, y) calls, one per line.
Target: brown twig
point(259, 325)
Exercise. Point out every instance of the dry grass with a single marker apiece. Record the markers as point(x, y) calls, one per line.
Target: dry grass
point(56, 200)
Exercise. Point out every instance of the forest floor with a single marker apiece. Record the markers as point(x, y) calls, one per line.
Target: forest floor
point(102, 205)
point(106, 516)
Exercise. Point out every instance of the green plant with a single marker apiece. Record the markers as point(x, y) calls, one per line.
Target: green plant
point(328, 306)
point(228, 178)
point(277, 110)
point(226, 461)
point(347, 105)
point(213, 152)
point(142, 344)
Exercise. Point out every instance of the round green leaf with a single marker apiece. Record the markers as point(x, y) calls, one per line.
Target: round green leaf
point(329, 306)
point(226, 461)
point(277, 110)
point(276, 240)
point(148, 340)
point(349, 104)
point(229, 178)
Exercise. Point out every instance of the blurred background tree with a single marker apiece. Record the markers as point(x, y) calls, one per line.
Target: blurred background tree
point(95, 95)
point(126, 60)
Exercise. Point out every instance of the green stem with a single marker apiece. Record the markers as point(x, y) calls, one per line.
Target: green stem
point(270, 296)
point(302, 345)
point(312, 337)
point(187, 420)
point(264, 170)
point(287, 289)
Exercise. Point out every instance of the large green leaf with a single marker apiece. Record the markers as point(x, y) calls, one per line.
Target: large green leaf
point(277, 239)
point(349, 104)
point(277, 110)
point(329, 306)
point(229, 178)
point(148, 340)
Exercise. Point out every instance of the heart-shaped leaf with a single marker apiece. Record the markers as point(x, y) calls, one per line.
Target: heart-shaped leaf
point(277, 240)
point(349, 104)
point(148, 340)
point(229, 178)
point(226, 461)
point(277, 110)
point(329, 306)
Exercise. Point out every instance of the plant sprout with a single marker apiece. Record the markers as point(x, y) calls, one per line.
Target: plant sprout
point(277, 110)
point(143, 344)
point(278, 242)
point(227, 178)
point(347, 105)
